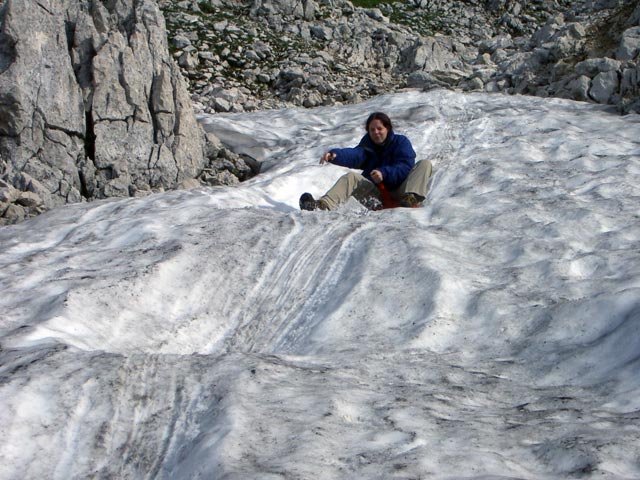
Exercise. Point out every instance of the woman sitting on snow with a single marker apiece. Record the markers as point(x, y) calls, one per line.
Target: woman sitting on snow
point(387, 161)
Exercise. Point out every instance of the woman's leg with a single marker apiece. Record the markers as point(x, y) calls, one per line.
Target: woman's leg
point(350, 184)
point(417, 181)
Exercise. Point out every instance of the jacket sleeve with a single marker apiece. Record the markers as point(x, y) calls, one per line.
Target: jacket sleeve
point(404, 158)
point(349, 157)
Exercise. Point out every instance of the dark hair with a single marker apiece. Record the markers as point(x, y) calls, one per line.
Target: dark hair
point(386, 121)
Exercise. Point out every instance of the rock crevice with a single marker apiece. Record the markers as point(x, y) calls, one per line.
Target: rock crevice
point(81, 111)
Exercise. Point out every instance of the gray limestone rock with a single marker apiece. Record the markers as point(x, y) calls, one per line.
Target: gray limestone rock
point(298, 8)
point(603, 86)
point(434, 53)
point(630, 82)
point(593, 66)
point(13, 213)
point(495, 43)
point(629, 44)
point(578, 88)
point(29, 199)
point(105, 111)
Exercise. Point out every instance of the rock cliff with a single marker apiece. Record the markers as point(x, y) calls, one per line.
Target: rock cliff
point(92, 104)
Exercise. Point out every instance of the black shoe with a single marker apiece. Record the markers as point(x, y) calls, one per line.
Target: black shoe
point(307, 202)
point(410, 200)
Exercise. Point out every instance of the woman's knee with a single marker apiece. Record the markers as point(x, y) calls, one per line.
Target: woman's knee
point(352, 176)
point(425, 167)
point(352, 179)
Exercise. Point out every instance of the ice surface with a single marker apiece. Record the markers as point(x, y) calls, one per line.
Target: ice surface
point(223, 333)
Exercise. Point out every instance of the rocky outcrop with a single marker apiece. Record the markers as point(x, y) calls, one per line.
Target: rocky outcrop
point(260, 55)
point(92, 105)
point(582, 57)
point(242, 55)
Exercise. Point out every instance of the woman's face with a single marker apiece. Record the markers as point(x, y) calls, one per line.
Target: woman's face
point(377, 131)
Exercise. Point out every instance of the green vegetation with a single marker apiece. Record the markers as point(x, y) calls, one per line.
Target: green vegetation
point(367, 3)
point(206, 7)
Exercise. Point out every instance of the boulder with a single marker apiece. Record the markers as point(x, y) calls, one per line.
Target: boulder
point(578, 88)
point(188, 184)
point(495, 43)
point(9, 194)
point(629, 44)
point(630, 82)
point(594, 66)
point(13, 213)
point(29, 199)
point(304, 9)
point(432, 54)
point(376, 15)
point(603, 86)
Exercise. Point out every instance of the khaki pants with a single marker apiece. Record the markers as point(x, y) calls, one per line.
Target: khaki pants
point(362, 189)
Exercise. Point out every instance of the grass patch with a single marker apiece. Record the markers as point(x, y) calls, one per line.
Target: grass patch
point(206, 7)
point(367, 3)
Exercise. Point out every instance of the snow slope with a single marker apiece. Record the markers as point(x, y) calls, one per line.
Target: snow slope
point(223, 333)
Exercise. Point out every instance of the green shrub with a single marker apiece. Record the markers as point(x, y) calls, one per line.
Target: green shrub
point(206, 7)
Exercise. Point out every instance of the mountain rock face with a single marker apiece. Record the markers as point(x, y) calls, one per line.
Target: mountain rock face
point(242, 55)
point(92, 105)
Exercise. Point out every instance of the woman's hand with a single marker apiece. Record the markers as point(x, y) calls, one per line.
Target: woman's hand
point(376, 176)
point(327, 157)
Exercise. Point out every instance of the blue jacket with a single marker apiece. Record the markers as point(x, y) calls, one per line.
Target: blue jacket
point(394, 159)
